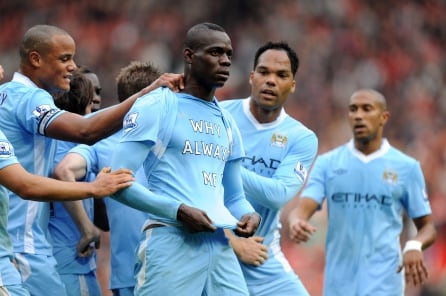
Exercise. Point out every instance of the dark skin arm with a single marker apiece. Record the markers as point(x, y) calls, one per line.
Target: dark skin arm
point(76, 128)
point(299, 227)
point(247, 225)
point(415, 271)
point(195, 220)
point(34, 187)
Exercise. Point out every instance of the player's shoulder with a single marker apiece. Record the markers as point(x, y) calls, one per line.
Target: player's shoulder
point(18, 88)
point(231, 103)
point(398, 155)
point(158, 96)
point(335, 153)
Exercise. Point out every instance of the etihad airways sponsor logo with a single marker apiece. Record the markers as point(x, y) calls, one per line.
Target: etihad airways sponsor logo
point(362, 198)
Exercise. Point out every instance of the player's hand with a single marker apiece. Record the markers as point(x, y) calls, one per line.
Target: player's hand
point(250, 250)
point(89, 241)
point(300, 230)
point(247, 225)
point(171, 80)
point(195, 220)
point(108, 182)
point(414, 270)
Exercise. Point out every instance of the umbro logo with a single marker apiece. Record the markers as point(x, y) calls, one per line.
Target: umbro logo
point(340, 171)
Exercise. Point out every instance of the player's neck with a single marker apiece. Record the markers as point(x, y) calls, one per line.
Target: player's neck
point(368, 147)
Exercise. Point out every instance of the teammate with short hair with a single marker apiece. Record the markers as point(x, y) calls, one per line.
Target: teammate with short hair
point(125, 222)
point(32, 187)
point(30, 119)
point(77, 272)
point(367, 184)
point(279, 152)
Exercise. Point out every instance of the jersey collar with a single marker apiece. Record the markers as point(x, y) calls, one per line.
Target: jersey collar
point(385, 146)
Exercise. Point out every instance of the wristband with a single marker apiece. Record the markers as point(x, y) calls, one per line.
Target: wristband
point(412, 245)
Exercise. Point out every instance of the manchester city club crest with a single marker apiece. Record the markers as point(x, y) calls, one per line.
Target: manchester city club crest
point(279, 140)
point(390, 177)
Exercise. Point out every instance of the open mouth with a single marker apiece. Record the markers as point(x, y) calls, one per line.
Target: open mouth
point(268, 93)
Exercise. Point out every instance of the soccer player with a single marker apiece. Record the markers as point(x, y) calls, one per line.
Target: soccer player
point(97, 100)
point(78, 273)
point(32, 187)
point(30, 119)
point(191, 151)
point(367, 184)
point(125, 222)
point(279, 153)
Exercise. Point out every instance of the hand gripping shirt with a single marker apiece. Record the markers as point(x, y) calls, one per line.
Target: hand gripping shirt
point(8, 273)
point(25, 113)
point(204, 139)
point(278, 156)
point(366, 196)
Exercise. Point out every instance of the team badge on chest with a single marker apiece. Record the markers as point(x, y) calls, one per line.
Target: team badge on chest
point(279, 140)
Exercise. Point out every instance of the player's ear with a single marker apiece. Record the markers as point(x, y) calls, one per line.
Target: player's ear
point(188, 55)
point(34, 59)
point(385, 115)
point(251, 75)
point(293, 86)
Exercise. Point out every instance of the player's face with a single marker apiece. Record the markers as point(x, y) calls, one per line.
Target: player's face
point(57, 65)
point(272, 80)
point(96, 102)
point(367, 117)
point(212, 60)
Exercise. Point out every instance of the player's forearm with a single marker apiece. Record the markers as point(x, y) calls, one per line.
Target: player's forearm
point(270, 192)
point(71, 168)
point(108, 121)
point(427, 233)
point(79, 215)
point(235, 199)
point(140, 198)
point(45, 189)
point(304, 209)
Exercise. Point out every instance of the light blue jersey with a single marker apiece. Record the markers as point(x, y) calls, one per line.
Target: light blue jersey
point(202, 142)
point(8, 273)
point(366, 196)
point(125, 222)
point(278, 156)
point(199, 158)
point(25, 113)
point(64, 232)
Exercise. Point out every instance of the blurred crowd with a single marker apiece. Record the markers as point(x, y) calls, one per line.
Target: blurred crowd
point(396, 46)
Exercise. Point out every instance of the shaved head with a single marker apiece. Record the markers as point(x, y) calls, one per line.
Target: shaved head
point(375, 95)
point(194, 37)
point(38, 38)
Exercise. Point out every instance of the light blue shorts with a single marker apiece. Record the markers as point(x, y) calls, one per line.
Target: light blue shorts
point(13, 290)
point(283, 285)
point(39, 274)
point(171, 262)
point(81, 284)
